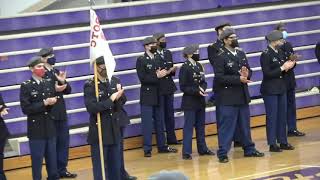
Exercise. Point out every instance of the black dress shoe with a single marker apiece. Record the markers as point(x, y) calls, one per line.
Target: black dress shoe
point(175, 143)
point(237, 144)
point(68, 175)
point(207, 152)
point(275, 148)
point(295, 133)
point(223, 159)
point(130, 178)
point(186, 157)
point(286, 146)
point(147, 154)
point(168, 150)
point(255, 154)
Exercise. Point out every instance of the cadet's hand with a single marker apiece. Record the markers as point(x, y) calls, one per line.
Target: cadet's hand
point(114, 96)
point(4, 112)
point(62, 76)
point(161, 73)
point(244, 80)
point(50, 101)
point(119, 87)
point(120, 93)
point(60, 88)
point(287, 65)
point(201, 89)
point(244, 71)
point(172, 70)
point(203, 94)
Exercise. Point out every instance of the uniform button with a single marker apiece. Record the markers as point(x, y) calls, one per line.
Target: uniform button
point(46, 113)
point(111, 114)
point(226, 87)
point(97, 124)
point(147, 89)
point(42, 93)
point(33, 120)
point(167, 77)
point(280, 77)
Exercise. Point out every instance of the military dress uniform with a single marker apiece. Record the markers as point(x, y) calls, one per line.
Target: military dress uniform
point(273, 89)
point(291, 99)
point(4, 134)
point(110, 130)
point(166, 90)
point(41, 128)
point(152, 115)
point(191, 77)
point(60, 112)
point(233, 98)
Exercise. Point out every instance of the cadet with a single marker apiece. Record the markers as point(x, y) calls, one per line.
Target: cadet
point(232, 73)
point(213, 51)
point(59, 111)
point(151, 112)
point(273, 89)
point(122, 117)
point(109, 125)
point(193, 85)
point(37, 97)
point(4, 133)
point(167, 87)
point(291, 84)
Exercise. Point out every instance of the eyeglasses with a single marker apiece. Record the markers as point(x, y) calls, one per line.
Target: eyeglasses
point(233, 37)
point(102, 68)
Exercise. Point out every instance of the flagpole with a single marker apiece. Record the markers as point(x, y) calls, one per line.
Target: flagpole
point(95, 73)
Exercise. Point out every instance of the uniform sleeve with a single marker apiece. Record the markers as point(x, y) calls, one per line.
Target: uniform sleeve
point(221, 77)
point(212, 54)
point(266, 69)
point(171, 60)
point(2, 104)
point(186, 86)
point(317, 51)
point(90, 100)
point(27, 106)
point(144, 77)
point(203, 83)
point(248, 67)
point(68, 88)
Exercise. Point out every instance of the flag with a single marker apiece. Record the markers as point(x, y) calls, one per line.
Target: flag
point(99, 45)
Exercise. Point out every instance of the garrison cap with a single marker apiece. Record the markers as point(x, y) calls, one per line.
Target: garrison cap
point(226, 33)
point(157, 36)
point(45, 52)
point(149, 40)
point(100, 60)
point(35, 60)
point(221, 26)
point(190, 49)
point(274, 35)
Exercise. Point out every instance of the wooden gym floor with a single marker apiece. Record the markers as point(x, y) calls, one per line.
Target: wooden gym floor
point(301, 163)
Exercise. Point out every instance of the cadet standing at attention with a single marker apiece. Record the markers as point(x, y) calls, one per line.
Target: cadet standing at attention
point(167, 87)
point(232, 75)
point(59, 111)
point(193, 85)
point(152, 115)
point(273, 89)
point(37, 98)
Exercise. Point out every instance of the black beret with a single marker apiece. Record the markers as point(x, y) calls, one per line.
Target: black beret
point(100, 60)
point(226, 33)
point(34, 61)
point(190, 49)
point(157, 36)
point(149, 40)
point(274, 35)
point(45, 52)
point(221, 26)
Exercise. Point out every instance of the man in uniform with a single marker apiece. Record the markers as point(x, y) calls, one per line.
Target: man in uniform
point(291, 84)
point(167, 87)
point(105, 105)
point(232, 73)
point(151, 112)
point(59, 111)
point(273, 89)
point(37, 98)
point(4, 133)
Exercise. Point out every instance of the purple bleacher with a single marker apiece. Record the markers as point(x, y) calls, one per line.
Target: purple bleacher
point(68, 18)
point(176, 41)
point(134, 130)
point(142, 30)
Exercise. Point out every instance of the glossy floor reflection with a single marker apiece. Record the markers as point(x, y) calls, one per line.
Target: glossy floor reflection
point(301, 163)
